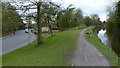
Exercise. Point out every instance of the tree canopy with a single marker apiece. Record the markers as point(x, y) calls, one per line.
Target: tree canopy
point(10, 19)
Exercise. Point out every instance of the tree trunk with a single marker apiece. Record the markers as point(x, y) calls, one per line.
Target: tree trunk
point(50, 27)
point(39, 23)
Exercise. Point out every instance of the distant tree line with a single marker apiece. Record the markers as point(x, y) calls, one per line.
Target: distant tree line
point(67, 18)
point(55, 16)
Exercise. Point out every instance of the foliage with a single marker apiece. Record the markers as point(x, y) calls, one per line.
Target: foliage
point(88, 21)
point(78, 17)
point(50, 11)
point(66, 18)
point(10, 19)
point(69, 18)
point(114, 19)
point(95, 18)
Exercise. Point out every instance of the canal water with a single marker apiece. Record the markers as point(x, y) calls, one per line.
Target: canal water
point(112, 41)
point(104, 38)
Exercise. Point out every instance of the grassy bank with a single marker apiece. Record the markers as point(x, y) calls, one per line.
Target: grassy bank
point(103, 48)
point(55, 51)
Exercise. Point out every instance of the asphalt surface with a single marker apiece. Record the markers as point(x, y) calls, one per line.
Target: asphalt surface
point(17, 40)
point(87, 55)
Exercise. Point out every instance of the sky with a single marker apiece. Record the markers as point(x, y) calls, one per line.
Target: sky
point(90, 6)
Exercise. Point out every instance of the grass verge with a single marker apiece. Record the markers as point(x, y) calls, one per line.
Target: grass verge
point(1, 36)
point(0, 61)
point(112, 57)
point(55, 51)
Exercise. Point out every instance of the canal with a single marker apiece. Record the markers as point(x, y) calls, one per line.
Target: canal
point(111, 41)
point(104, 38)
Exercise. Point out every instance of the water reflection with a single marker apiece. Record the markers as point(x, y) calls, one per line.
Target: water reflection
point(104, 38)
point(109, 39)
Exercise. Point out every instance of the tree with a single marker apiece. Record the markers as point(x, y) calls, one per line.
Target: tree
point(10, 18)
point(113, 20)
point(88, 21)
point(41, 6)
point(50, 10)
point(78, 17)
point(95, 18)
point(36, 4)
point(66, 19)
point(113, 29)
point(39, 22)
point(31, 5)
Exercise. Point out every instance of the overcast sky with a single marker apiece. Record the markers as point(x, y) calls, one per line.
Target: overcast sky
point(89, 6)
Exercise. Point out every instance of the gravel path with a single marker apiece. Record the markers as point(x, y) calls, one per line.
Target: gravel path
point(87, 55)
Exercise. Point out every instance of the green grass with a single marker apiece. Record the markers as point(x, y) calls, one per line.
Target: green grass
point(55, 51)
point(1, 36)
point(0, 61)
point(113, 58)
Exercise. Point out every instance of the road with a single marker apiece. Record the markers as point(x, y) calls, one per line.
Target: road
point(17, 40)
point(87, 55)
